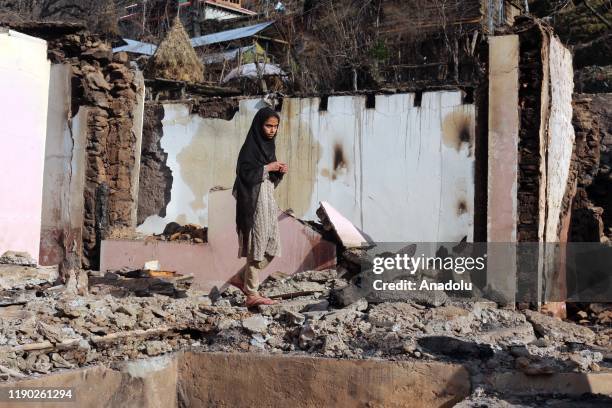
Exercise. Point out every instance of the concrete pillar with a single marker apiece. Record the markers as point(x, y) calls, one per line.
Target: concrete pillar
point(503, 165)
point(64, 176)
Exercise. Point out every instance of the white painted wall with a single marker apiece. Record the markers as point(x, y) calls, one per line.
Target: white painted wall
point(24, 83)
point(60, 158)
point(404, 177)
point(560, 134)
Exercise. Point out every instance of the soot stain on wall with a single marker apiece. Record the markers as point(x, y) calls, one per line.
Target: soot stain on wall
point(339, 161)
point(457, 129)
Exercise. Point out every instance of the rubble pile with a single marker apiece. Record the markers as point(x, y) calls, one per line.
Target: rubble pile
point(52, 329)
point(188, 232)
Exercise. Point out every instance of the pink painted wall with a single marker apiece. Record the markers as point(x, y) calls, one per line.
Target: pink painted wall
point(24, 81)
point(214, 263)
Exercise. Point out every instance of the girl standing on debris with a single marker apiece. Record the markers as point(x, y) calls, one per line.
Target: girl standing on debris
point(257, 175)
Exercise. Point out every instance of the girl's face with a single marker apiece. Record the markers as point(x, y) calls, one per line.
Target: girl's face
point(270, 127)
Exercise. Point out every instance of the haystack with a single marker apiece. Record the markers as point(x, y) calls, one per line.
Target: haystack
point(175, 58)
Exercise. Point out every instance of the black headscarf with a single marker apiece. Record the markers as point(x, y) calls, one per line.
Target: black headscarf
point(257, 151)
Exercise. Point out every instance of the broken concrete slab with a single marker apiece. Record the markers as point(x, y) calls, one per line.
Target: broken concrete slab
point(293, 289)
point(572, 384)
point(390, 314)
point(556, 329)
point(230, 380)
point(319, 382)
point(292, 305)
point(17, 276)
point(255, 324)
point(347, 233)
point(152, 384)
point(17, 258)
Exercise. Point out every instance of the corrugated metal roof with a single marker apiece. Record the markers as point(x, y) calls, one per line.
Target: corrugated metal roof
point(136, 47)
point(229, 35)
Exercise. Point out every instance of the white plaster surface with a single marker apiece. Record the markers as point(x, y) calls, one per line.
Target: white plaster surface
point(24, 81)
point(402, 176)
point(137, 129)
point(560, 134)
point(59, 145)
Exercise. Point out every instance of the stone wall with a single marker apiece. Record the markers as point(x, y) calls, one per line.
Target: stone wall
point(592, 205)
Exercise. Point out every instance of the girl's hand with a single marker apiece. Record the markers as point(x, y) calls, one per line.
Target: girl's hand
point(284, 168)
point(274, 166)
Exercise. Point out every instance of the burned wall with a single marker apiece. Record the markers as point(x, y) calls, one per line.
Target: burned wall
point(342, 151)
point(600, 191)
point(532, 75)
point(591, 219)
point(546, 135)
point(155, 176)
point(586, 223)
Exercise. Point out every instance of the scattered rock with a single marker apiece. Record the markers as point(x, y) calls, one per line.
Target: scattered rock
point(307, 336)
point(295, 317)
point(559, 330)
point(17, 258)
point(585, 359)
point(389, 314)
point(333, 345)
point(293, 288)
point(255, 324)
point(156, 347)
point(14, 276)
point(293, 305)
point(317, 276)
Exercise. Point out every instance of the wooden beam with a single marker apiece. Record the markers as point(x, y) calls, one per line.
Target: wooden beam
point(262, 37)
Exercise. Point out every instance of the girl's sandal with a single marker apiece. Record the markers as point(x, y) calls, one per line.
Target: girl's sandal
point(256, 300)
